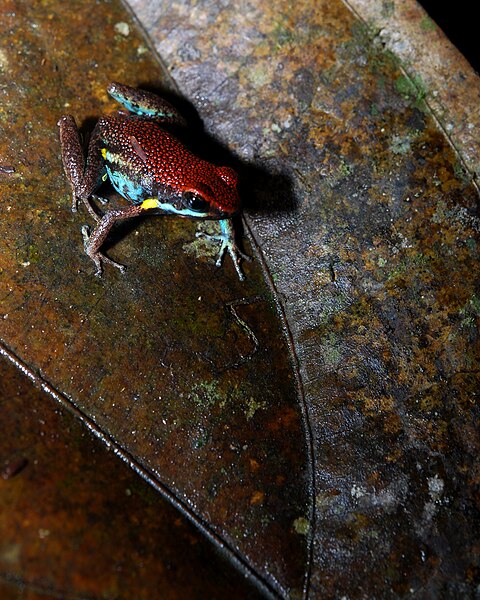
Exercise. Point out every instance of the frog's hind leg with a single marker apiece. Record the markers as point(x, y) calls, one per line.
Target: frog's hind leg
point(72, 155)
point(83, 175)
point(94, 241)
point(145, 104)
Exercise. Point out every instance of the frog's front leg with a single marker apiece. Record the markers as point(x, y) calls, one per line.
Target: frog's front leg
point(145, 104)
point(228, 243)
point(83, 176)
point(94, 241)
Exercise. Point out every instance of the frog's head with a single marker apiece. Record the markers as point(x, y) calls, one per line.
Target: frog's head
point(212, 195)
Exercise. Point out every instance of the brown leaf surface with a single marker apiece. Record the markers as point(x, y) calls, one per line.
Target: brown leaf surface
point(76, 522)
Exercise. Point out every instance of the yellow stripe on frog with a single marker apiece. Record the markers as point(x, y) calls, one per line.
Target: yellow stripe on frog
point(149, 203)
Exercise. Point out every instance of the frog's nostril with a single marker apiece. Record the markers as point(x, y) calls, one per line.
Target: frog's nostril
point(228, 175)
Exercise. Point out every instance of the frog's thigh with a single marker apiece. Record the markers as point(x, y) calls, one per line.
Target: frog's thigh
point(72, 152)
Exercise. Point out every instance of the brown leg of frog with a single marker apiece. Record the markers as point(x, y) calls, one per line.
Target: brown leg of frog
point(145, 104)
point(84, 176)
point(93, 242)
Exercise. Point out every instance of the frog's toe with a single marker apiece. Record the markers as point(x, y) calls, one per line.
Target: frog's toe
point(98, 264)
point(100, 199)
point(237, 256)
point(91, 210)
point(74, 203)
point(119, 266)
point(234, 250)
point(99, 258)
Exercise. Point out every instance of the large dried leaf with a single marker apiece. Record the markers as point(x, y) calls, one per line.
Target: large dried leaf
point(376, 266)
point(366, 219)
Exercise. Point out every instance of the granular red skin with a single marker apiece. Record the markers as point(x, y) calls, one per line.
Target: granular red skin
point(169, 163)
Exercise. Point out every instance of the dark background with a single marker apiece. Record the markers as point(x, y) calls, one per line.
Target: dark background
point(458, 21)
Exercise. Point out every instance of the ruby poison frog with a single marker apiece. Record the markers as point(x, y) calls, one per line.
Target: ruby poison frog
point(150, 168)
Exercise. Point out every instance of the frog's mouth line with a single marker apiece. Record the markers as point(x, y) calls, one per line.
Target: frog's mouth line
point(180, 210)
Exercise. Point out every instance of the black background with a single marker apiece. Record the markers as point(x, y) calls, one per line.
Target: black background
point(458, 20)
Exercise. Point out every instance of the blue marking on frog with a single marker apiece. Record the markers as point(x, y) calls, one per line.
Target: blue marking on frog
point(126, 187)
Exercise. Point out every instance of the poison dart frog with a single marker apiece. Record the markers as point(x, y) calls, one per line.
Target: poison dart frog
point(150, 168)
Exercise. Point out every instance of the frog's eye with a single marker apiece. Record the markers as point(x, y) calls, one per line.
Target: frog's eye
point(194, 202)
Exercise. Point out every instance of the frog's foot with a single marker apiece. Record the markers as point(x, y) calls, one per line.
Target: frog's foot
point(91, 211)
point(228, 244)
point(93, 241)
point(98, 257)
point(100, 199)
point(88, 206)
